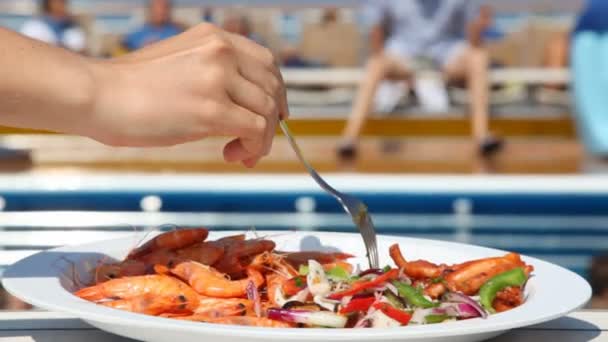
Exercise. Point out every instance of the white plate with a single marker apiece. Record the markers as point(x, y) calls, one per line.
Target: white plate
point(41, 280)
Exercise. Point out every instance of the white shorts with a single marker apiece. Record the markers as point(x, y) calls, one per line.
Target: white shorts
point(441, 54)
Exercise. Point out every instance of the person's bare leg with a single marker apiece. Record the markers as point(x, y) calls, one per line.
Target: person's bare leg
point(556, 55)
point(378, 68)
point(473, 65)
point(479, 89)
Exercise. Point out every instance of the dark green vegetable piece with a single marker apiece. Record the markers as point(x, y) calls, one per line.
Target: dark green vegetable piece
point(393, 299)
point(487, 293)
point(338, 273)
point(413, 296)
point(432, 319)
point(298, 282)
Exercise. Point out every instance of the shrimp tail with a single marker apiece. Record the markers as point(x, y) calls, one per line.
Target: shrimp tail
point(92, 293)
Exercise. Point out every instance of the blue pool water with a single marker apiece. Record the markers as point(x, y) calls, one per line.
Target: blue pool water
point(565, 227)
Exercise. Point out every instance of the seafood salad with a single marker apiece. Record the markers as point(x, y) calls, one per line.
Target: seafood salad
point(233, 280)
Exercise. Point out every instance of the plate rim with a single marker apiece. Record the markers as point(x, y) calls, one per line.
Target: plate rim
point(90, 312)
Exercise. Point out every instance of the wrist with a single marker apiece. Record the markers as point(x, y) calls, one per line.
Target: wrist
point(108, 102)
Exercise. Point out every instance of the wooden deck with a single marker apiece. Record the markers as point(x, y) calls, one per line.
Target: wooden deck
point(416, 126)
point(378, 155)
point(390, 145)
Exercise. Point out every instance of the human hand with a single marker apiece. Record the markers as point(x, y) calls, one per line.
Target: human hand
point(204, 82)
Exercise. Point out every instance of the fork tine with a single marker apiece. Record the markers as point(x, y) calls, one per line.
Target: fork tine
point(369, 237)
point(351, 205)
point(374, 246)
point(374, 253)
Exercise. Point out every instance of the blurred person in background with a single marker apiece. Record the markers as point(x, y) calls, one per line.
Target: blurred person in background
point(557, 55)
point(589, 66)
point(593, 17)
point(290, 54)
point(239, 23)
point(56, 26)
point(208, 16)
point(450, 33)
point(159, 26)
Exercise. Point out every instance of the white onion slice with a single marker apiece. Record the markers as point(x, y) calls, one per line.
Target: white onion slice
point(318, 318)
point(317, 279)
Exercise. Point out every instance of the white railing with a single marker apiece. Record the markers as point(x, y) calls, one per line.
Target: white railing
point(25, 233)
point(350, 77)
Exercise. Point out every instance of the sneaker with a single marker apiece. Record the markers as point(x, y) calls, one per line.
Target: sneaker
point(347, 151)
point(490, 146)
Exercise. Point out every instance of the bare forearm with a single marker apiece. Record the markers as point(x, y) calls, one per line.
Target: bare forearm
point(44, 87)
point(203, 82)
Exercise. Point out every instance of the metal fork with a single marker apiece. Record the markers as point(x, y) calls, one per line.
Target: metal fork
point(353, 206)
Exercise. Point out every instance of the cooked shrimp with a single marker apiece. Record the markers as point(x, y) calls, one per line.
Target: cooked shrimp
point(273, 262)
point(205, 253)
point(435, 290)
point(170, 241)
point(131, 287)
point(274, 281)
point(151, 305)
point(301, 258)
point(160, 257)
point(212, 308)
point(209, 282)
point(228, 240)
point(419, 269)
point(281, 261)
point(508, 299)
point(239, 254)
point(221, 307)
point(468, 277)
point(128, 268)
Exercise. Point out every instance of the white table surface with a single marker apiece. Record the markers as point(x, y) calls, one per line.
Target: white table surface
point(40, 326)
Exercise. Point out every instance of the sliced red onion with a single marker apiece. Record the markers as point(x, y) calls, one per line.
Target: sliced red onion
point(460, 310)
point(254, 295)
point(455, 297)
point(318, 318)
point(364, 322)
point(363, 295)
point(367, 320)
point(374, 271)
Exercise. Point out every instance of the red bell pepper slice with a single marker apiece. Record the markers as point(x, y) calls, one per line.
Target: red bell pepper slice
point(358, 304)
point(294, 285)
point(364, 285)
point(394, 313)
